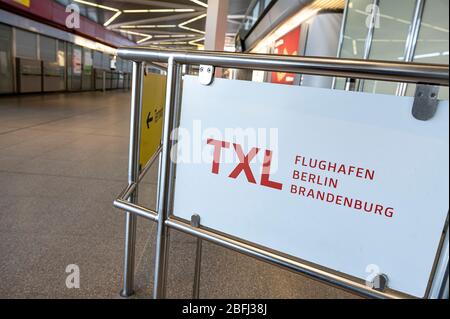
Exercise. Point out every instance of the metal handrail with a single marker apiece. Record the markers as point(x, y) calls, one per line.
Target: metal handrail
point(122, 201)
point(433, 74)
point(156, 66)
point(279, 260)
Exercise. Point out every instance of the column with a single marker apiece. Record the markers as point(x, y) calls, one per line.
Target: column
point(216, 25)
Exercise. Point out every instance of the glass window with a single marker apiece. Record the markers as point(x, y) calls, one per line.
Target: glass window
point(106, 61)
point(26, 44)
point(356, 29)
point(255, 13)
point(355, 33)
point(69, 47)
point(266, 3)
point(119, 64)
point(92, 14)
point(47, 49)
point(253, 16)
point(77, 60)
point(83, 10)
point(98, 64)
point(63, 2)
point(432, 44)
point(61, 53)
point(389, 39)
point(87, 62)
point(6, 72)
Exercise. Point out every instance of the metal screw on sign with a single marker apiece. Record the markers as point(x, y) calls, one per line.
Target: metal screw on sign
point(380, 282)
point(425, 102)
point(206, 75)
point(195, 220)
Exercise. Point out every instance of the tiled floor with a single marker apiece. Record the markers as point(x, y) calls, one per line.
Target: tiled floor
point(63, 159)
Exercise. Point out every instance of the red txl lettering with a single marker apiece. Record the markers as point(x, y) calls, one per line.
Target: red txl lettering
point(244, 163)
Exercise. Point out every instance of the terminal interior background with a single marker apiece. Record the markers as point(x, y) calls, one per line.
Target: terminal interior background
point(64, 127)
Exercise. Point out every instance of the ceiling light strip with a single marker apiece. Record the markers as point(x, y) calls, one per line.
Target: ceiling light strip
point(195, 42)
point(174, 36)
point(183, 25)
point(161, 26)
point(192, 29)
point(144, 39)
point(157, 10)
point(114, 17)
point(171, 42)
point(194, 19)
point(200, 3)
point(134, 33)
point(92, 4)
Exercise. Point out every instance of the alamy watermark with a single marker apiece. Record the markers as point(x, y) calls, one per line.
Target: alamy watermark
point(376, 279)
point(73, 279)
point(373, 16)
point(198, 144)
point(73, 18)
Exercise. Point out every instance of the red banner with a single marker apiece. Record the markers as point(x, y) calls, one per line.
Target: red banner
point(287, 45)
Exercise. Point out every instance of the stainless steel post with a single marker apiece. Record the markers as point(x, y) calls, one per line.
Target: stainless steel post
point(166, 176)
point(133, 177)
point(411, 42)
point(195, 222)
point(369, 38)
point(440, 283)
point(341, 37)
point(197, 270)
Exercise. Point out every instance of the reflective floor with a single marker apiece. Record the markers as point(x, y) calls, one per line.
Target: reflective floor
point(63, 159)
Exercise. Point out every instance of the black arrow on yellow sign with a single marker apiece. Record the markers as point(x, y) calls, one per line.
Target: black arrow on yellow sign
point(149, 119)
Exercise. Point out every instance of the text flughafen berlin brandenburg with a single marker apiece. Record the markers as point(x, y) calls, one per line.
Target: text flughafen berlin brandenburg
point(300, 174)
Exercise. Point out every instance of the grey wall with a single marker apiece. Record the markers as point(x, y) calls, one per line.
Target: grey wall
point(322, 41)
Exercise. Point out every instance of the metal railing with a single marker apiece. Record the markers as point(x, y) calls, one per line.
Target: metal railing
point(427, 74)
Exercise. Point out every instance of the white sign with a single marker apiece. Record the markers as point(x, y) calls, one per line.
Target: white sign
point(349, 181)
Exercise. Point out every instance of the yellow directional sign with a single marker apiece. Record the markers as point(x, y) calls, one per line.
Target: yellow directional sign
point(153, 100)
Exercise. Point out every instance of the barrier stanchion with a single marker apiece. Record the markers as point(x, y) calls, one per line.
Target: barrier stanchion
point(133, 176)
point(165, 190)
point(424, 74)
point(195, 222)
